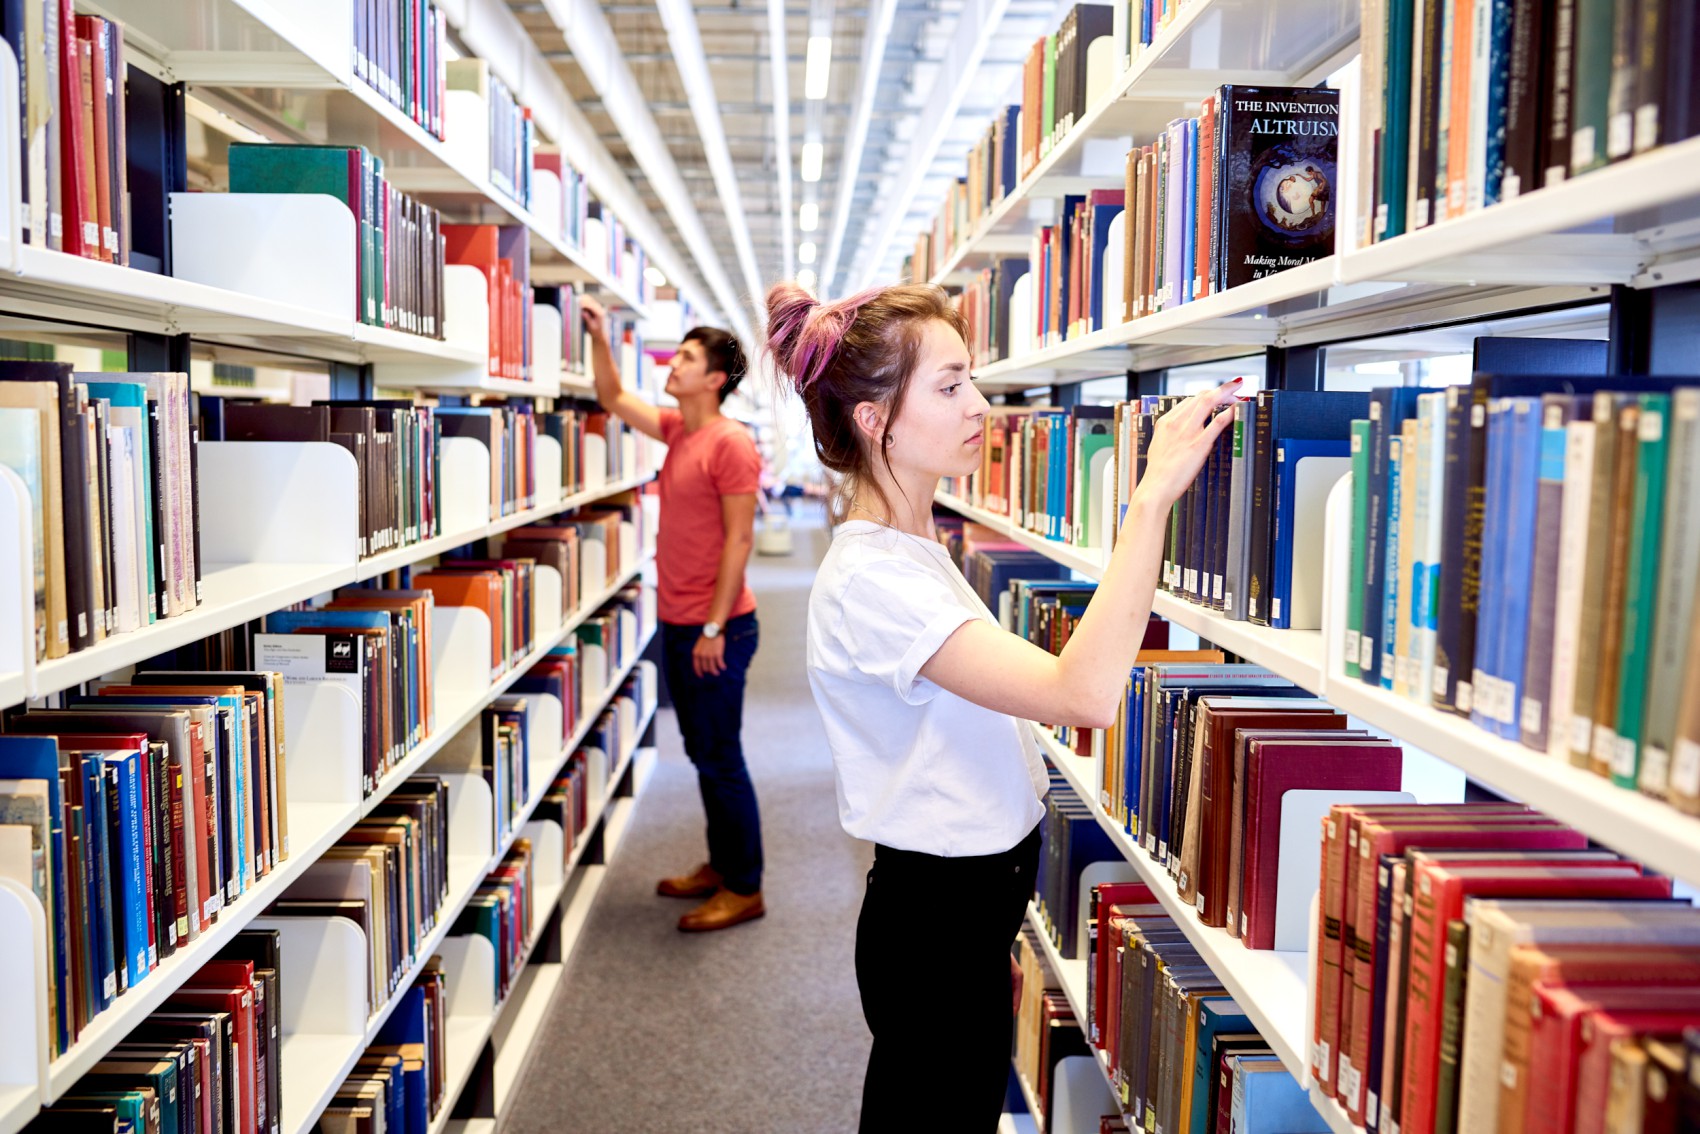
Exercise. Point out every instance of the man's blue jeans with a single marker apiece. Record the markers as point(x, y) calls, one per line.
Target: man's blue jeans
point(711, 716)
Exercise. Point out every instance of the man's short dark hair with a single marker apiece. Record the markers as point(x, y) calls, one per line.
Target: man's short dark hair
point(724, 354)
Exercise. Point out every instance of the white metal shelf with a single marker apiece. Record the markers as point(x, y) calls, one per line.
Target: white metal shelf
point(243, 592)
point(1627, 821)
point(313, 828)
point(1089, 561)
point(1271, 986)
point(327, 1074)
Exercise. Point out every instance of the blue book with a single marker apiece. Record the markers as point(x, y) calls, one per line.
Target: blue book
point(1218, 1015)
point(1499, 67)
point(1189, 210)
point(1009, 273)
point(1389, 408)
point(112, 976)
point(1517, 561)
point(1489, 624)
point(1388, 616)
point(1057, 489)
point(1009, 176)
point(1269, 1100)
point(1103, 215)
point(37, 758)
point(1134, 762)
point(1293, 486)
point(130, 889)
point(1073, 214)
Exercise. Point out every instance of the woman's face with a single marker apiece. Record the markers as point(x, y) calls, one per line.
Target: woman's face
point(939, 430)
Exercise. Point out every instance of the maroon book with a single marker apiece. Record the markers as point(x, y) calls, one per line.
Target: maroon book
point(1274, 768)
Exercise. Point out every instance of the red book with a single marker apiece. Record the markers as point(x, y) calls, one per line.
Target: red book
point(1274, 768)
point(1555, 1039)
point(1129, 898)
point(475, 245)
point(1603, 1031)
point(1438, 890)
point(236, 998)
point(1206, 192)
point(1368, 833)
point(76, 163)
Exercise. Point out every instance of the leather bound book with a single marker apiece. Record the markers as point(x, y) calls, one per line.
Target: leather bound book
point(1562, 1016)
point(1603, 744)
point(258, 422)
point(1602, 522)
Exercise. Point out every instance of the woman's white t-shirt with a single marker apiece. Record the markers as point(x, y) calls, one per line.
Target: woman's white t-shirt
point(918, 768)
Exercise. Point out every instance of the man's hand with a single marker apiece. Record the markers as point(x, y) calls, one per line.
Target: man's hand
point(595, 318)
point(708, 657)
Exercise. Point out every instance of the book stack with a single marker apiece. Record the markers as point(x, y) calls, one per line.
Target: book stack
point(1046, 1029)
point(1073, 841)
point(1073, 261)
point(608, 249)
point(108, 461)
point(1480, 967)
point(512, 135)
point(1462, 112)
point(388, 875)
point(502, 912)
point(555, 546)
point(617, 730)
point(504, 590)
point(374, 643)
point(396, 450)
point(210, 1058)
point(398, 1085)
point(74, 137)
point(1054, 81)
point(1243, 191)
point(1181, 1053)
point(401, 51)
point(987, 304)
point(508, 432)
point(137, 814)
point(496, 748)
point(575, 195)
point(1549, 523)
point(400, 252)
point(502, 254)
point(567, 802)
point(575, 354)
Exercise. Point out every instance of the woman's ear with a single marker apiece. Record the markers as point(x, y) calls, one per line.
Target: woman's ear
point(870, 422)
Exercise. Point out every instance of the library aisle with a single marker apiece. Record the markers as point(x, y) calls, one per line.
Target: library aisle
point(755, 1028)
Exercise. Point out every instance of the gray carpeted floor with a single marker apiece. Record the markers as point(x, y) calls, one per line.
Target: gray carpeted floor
point(746, 1031)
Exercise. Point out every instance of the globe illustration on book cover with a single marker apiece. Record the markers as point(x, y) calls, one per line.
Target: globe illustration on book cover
point(1293, 191)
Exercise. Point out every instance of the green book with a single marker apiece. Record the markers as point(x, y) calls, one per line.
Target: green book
point(337, 171)
point(1590, 91)
point(1048, 119)
point(1396, 119)
point(1641, 587)
point(1093, 438)
point(1360, 543)
point(1678, 568)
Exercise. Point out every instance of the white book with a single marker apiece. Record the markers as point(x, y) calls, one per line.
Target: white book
point(1572, 568)
point(127, 580)
point(1410, 475)
point(1481, 52)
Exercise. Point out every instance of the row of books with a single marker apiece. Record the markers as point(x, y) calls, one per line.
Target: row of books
point(399, 254)
point(135, 815)
point(1434, 1017)
point(108, 462)
point(74, 149)
point(401, 51)
point(1465, 106)
point(609, 249)
point(400, 1083)
point(1242, 191)
point(1553, 519)
point(568, 301)
point(209, 1059)
point(513, 137)
point(1049, 1041)
point(502, 255)
point(1181, 1053)
point(574, 208)
point(503, 911)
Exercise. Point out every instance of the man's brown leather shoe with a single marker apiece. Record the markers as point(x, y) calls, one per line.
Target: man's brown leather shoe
point(722, 911)
point(700, 883)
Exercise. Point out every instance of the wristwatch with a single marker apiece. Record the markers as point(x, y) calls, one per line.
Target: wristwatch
point(711, 629)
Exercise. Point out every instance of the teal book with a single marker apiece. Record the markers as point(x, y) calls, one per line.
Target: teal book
point(342, 172)
point(1641, 587)
point(1396, 121)
point(1360, 543)
point(1590, 91)
point(1216, 1016)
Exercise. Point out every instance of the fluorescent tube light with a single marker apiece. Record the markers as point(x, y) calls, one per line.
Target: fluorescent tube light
point(808, 216)
point(810, 161)
point(818, 66)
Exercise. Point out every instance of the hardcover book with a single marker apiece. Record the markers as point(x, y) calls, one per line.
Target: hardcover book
point(1278, 201)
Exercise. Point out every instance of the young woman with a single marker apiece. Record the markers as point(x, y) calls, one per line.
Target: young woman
point(925, 697)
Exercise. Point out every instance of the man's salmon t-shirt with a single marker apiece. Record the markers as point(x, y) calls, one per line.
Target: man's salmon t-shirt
point(719, 459)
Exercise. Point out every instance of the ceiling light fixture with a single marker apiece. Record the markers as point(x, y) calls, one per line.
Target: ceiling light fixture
point(806, 279)
point(806, 252)
point(874, 35)
point(808, 216)
point(779, 65)
point(811, 161)
point(655, 276)
point(817, 66)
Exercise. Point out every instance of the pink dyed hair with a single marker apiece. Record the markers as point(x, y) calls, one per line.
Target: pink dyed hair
point(803, 333)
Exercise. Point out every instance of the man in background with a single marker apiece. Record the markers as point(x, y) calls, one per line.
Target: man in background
point(708, 613)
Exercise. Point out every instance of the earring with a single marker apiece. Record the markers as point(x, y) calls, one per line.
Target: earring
point(889, 439)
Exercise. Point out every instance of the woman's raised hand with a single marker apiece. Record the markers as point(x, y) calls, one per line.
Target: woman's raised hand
point(1183, 440)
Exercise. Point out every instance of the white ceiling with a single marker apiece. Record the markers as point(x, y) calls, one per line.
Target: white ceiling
point(673, 166)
